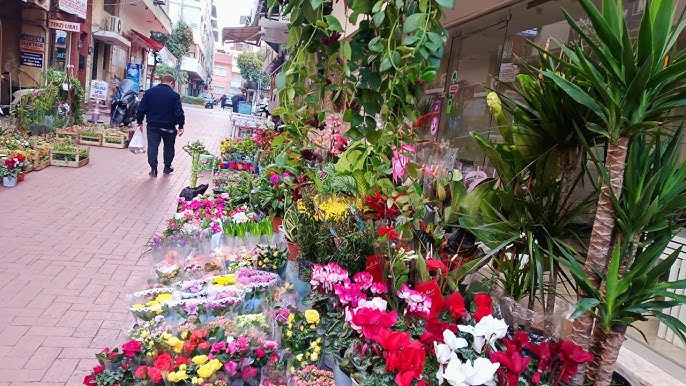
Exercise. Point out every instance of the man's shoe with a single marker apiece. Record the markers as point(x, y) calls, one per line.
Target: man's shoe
point(153, 173)
point(168, 170)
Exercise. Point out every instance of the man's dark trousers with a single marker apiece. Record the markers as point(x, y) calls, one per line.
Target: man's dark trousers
point(155, 136)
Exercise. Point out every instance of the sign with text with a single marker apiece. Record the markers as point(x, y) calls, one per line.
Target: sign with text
point(64, 25)
point(508, 72)
point(99, 90)
point(32, 49)
point(75, 7)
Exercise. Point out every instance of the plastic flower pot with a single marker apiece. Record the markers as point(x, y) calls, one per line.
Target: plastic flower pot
point(9, 182)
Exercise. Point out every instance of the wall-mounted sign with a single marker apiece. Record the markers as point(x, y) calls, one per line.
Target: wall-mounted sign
point(75, 7)
point(453, 88)
point(32, 49)
point(64, 25)
point(99, 90)
point(453, 77)
point(449, 106)
point(508, 72)
point(434, 121)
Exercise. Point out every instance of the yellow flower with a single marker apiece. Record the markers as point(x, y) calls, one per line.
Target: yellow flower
point(314, 356)
point(273, 266)
point(175, 344)
point(216, 364)
point(184, 335)
point(145, 334)
point(312, 316)
point(291, 317)
point(317, 350)
point(289, 333)
point(197, 381)
point(157, 309)
point(183, 367)
point(205, 371)
point(200, 359)
point(166, 336)
point(151, 303)
point(177, 376)
point(314, 344)
point(163, 297)
point(275, 254)
point(299, 357)
point(138, 305)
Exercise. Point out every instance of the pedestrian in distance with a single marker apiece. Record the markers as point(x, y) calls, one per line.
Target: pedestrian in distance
point(162, 107)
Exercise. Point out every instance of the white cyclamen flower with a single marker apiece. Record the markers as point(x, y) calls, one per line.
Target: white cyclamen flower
point(477, 373)
point(240, 217)
point(487, 331)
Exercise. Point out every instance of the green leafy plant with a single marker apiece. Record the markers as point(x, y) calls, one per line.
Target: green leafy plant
point(250, 65)
point(179, 43)
point(630, 88)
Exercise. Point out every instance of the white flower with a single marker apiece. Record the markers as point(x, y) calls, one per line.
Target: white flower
point(179, 216)
point(240, 217)
point(477, 373)
point(488, 330)
point(376, 303)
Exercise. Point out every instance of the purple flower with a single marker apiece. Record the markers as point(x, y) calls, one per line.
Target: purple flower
point(274, 179)
point(190, 308)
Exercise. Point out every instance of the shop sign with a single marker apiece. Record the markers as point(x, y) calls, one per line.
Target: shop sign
point(31, 49)
point(508, 72)
point(99, 90)
point(133, 72)
point(75, 7)
point(64, 25)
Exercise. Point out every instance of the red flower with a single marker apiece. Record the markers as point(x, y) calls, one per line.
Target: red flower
point(434, 332)
point(402, 355)
point(571, 356)
point(432, 291)
point(189, 347)
point(455, 304)
point(513, 362)
point(164, 362)
point(372, 321)
point(141, 373)
point(155, 374)
point(204, 346)
point(379, 205)
point(98, 370)
point(260, 353)
point(131, 348)
point(484, 305)
point(520, 341)
point(180, 360)
point(198, 335)
point(89, 380)
point(435, 265)
point(389, 232)
point(375, 268)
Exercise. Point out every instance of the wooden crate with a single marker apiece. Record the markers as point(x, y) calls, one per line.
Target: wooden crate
point(42, 162)
point(74, 158)
point(114, 139)
point(90, 139)
point(73, 135)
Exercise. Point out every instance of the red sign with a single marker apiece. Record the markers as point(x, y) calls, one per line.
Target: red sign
point(64, 25)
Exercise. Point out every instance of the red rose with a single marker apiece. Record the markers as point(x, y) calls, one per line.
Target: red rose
point(432, 291)
point(98, 369)
point(484, 305)
point(154, 374)
point(189, 347)
point(141, 373)
point(198, 335)
point(180, 360)
point(124, 366)
point(455, 304)
point(164, 362)
point(260, 353)
point(131, 348)
point(204, 346)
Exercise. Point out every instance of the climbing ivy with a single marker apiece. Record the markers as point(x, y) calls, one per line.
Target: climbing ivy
point(396, 49)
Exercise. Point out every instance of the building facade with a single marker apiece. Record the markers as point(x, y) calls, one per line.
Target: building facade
point(223, 74)
point(201, 17)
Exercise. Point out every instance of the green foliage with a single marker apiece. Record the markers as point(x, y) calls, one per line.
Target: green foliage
point(192, 100)
point(164, 69)
point(250, 64)
point(180, 40)
point(397, 48)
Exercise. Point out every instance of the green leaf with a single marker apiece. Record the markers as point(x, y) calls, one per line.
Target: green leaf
point(410, 40)
point(583, 306)
point(576, 93)
point(346, 50)
point(334, 24)
point(385, 65)
point(375, 44)
point(446, 3)
point(378, 18)
point(413, 22)
point(316, 3)
point(280, 80)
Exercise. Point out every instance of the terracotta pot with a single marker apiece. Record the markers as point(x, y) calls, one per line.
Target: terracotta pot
point(293, 251)
point(21, 177)
point(276, 222)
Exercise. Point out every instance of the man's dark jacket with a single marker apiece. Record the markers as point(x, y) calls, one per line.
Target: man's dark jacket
point(162, 106)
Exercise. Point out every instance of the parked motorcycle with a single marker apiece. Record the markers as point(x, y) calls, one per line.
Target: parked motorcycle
point(124, 103)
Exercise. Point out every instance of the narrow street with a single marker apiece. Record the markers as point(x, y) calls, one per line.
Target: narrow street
point(70, 253)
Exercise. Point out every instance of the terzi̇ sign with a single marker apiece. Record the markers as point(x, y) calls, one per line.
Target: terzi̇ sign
point(64, 25)
point(75, 7)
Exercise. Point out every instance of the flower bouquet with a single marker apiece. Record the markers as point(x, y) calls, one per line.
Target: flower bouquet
point(300, 338)
point(272, 259)
point(168, 267)
point(150, 309)
point(311, 376)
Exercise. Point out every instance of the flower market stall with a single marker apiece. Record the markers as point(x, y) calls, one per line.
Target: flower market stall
point(349, 250)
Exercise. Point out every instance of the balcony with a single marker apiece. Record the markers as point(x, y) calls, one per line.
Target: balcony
point(160, 14)
point(194, 69)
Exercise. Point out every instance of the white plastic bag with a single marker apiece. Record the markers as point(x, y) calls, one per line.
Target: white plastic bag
point(137, 144)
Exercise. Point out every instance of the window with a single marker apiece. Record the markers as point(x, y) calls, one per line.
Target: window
point(59, 56)
point(218, 89)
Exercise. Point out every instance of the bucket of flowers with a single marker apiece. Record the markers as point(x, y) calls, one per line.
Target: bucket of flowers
point(11, 167)
point(273, 259)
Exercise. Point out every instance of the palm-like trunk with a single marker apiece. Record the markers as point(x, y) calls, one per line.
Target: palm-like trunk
point(597, 348)
point(606, 362)
point(601, 238)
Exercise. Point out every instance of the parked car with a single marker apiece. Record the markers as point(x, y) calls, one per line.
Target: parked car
point(209, 100)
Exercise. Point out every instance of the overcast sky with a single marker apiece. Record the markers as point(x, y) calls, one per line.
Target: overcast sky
point(229, 11)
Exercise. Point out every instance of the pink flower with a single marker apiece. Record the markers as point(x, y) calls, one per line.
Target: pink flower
point(349, 293)
point(364, 279)
point(400, 160)
point(218, 346)
point(248, 372)
point(274, 179)
point(326, 276)
point(379, 288)
point(131, 348)
point(417, 302)
point(230, 367)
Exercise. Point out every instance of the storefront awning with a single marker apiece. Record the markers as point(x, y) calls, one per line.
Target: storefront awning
point(113, 38)
point(146, 41)
point(248, 34)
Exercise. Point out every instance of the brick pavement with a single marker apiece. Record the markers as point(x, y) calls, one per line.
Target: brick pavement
point(70, 253)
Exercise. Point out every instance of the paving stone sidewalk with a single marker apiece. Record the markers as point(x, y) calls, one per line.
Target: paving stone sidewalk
point(70, 253)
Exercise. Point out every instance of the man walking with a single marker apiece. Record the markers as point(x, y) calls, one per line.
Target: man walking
point(162, 105)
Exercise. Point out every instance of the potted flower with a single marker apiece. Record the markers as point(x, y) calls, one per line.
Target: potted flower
point(11, 168)
point(273, 259)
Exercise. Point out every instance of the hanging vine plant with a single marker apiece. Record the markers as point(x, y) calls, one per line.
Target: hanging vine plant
point(396, 49)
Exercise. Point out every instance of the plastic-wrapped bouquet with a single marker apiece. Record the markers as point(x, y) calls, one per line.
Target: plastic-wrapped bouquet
point(312, 376)
point(271, 258)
